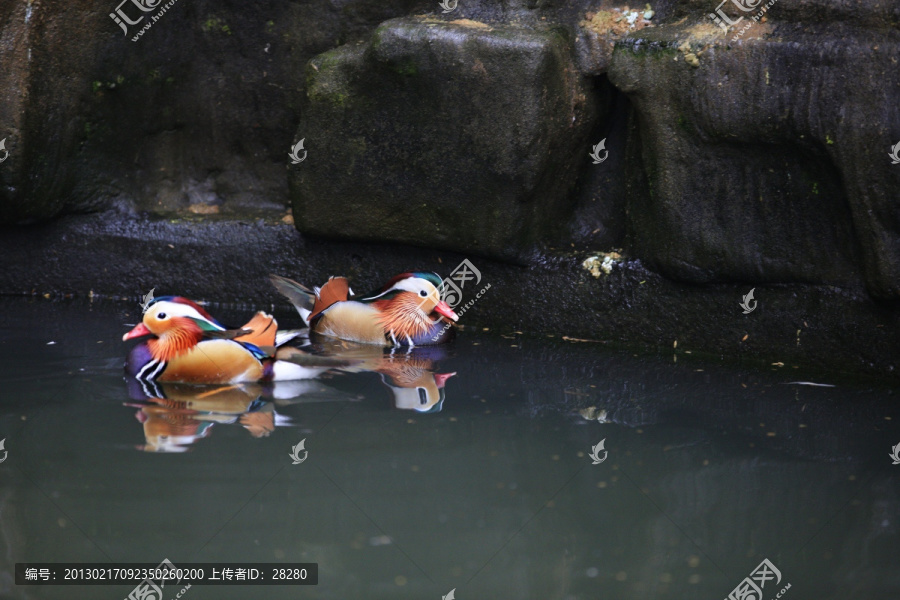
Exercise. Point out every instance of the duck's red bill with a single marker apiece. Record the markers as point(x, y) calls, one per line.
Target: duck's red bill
point(139, 330)
point(441, 378)
point(444, 309)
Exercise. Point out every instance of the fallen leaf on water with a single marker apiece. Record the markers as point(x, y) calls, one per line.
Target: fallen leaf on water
point(571, 339)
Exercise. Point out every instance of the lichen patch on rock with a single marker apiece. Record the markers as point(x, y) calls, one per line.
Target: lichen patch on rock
point(602, 262)
point(470, 23)
point(618, 21)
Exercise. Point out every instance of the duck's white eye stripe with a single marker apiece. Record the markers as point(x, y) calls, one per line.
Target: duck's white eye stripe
point(415, 285)
point(175, 309)
point(410, 284)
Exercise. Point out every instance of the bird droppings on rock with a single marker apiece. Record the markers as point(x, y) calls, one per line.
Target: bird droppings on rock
point(602, 262)
point(592, 413)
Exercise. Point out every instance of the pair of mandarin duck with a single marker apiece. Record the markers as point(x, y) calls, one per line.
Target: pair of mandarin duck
point(184, 343)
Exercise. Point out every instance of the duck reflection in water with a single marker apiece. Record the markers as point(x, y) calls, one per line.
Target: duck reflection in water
point(409, 374)
point(174, 416)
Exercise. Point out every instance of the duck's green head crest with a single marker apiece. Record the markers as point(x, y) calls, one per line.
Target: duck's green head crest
point(431, 278)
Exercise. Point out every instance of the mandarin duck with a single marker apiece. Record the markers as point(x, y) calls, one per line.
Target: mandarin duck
point(407, 311)
point(186, 344)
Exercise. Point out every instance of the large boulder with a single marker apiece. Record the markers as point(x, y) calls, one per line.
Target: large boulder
point(764, 157)
point(198, 110)
point(456, 135)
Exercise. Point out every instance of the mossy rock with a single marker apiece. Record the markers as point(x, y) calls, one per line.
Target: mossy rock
point(453, 135)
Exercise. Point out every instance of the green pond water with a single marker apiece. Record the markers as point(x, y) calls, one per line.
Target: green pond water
point(708, 469)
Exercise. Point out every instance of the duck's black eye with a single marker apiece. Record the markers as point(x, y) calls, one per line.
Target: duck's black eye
point(161, 316)
point(423, 293)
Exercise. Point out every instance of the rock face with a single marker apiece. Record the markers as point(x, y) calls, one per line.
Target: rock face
point(752, 157)
point(456, 135)
point(200, 110)
point(751, 169)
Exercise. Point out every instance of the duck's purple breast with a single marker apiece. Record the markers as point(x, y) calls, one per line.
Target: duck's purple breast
point(439, 333)
point(137, 359)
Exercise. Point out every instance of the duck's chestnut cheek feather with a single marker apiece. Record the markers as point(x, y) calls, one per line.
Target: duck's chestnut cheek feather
point(139, 330)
